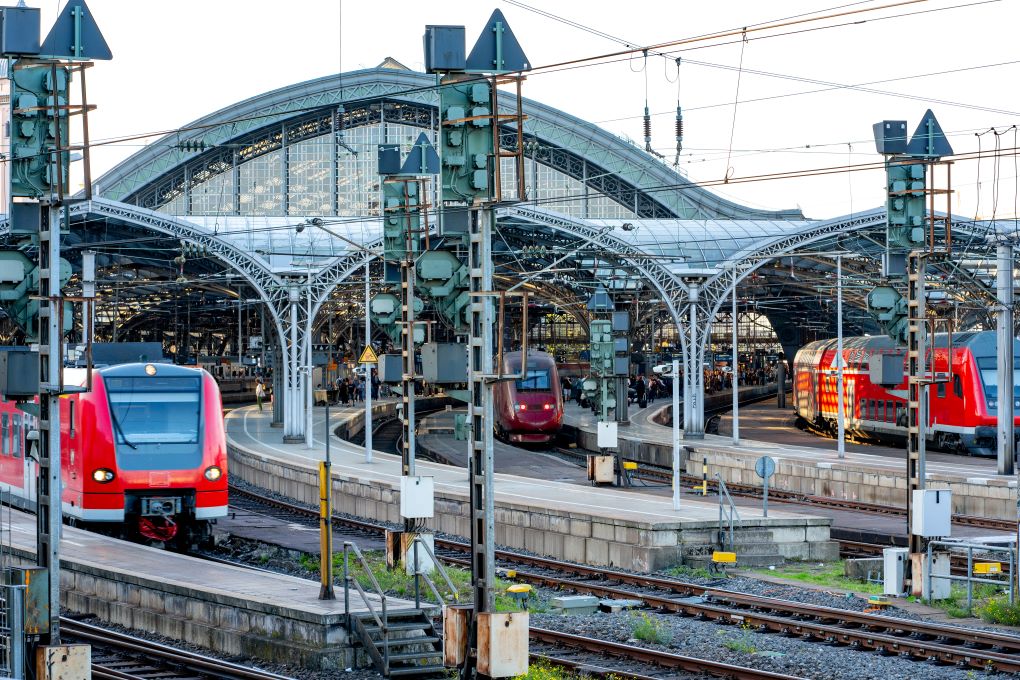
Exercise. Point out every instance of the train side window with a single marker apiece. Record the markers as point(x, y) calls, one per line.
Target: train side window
point(957, 386)
point(70, 419)
point(890, 412)
point(19, 436)
point(940, 391)
point(5, 432)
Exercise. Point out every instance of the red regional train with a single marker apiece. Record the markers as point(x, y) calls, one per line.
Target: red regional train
point(962, 414)
point(144, 453)
point(529, 410)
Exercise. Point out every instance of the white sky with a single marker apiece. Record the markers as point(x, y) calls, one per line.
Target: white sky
point(176, 61)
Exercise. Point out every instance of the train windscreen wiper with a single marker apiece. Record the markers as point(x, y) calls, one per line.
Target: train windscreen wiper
point(120, 430)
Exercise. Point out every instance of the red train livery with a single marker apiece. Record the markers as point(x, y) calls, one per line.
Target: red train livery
point(529, 410)
point(962, 414)
point(144, 452)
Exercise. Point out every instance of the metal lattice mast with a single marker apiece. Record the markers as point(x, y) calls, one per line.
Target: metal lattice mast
point(480, 409)
point(917, 412)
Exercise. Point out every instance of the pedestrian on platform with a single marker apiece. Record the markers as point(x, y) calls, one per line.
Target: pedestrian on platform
point(344, 392)
point(260, 393)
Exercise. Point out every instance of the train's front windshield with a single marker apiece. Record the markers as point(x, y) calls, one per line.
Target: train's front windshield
point(155, 418)
point(990, 379)
point(537, 380)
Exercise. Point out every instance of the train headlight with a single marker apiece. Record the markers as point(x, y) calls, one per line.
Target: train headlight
point(212, 473)
point(547, 407)
point(102, 475)
point(522, 407)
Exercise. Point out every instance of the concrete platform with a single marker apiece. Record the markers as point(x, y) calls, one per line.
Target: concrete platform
point(867, 474)
point(560, 519)
point(249, 613)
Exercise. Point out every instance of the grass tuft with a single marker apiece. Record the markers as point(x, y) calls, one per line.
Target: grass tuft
point(649, 629)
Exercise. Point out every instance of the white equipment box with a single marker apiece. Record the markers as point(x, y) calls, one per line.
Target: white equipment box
point(417, 497)
point(933, 510)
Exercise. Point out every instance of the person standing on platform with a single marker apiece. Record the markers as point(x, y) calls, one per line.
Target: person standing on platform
point(344, 393)
point(260, 393)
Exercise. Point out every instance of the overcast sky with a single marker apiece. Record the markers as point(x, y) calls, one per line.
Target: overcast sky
point(177, 61)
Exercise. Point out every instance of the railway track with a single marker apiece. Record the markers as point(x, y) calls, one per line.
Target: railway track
point(116, 656)
point(953, 645)
point(645, 655)
point(663, 475)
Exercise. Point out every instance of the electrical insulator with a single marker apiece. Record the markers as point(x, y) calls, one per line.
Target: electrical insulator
point(679, 135)
point(648, 130)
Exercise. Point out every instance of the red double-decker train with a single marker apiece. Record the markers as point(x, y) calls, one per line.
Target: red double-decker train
point(529, 410)
point(962, 410)
point(144, 453)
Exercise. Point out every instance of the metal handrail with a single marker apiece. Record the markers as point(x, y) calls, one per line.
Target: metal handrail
point(418, 540)
point(730, 512)
point(348, 581)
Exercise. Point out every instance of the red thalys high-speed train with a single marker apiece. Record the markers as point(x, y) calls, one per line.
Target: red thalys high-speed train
point(529, 410)
point(962, 413)
point(144, 453)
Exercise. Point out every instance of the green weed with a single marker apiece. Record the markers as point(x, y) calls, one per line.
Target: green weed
point(743, 642)
point(650, 629)
point(999, 610)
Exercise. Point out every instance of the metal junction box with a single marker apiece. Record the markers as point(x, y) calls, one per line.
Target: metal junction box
point(502, 644)
point(64, 662)
point(19, 374)
point(933, 509)
point(37, 597)
point(391, 368)
point(417, 497)
point(894, 572)
point(444, 49)
point(444, 363)
point(890, 136)
point(886, 369)
point(19, 31)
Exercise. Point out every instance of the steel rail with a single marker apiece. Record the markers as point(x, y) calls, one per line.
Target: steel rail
point(208, 666)
point(654, 656)
point(870, 632)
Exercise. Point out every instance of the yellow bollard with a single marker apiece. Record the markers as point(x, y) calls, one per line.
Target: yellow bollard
point(325, 533)
point(704, 476)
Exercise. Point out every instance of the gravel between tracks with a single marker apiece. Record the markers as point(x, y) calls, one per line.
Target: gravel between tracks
point(733, 645)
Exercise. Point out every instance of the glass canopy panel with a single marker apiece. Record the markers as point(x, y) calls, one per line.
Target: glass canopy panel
point(310, 182)
point(261, 185)
point(215, 196)
point(352, 160)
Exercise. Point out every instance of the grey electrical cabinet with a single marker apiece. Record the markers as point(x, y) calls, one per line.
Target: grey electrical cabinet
point(391, 368)
point(886, 369)
point(444, 363)
point(19, 374)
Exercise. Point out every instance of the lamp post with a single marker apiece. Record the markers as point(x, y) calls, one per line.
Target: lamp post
point(840, 422)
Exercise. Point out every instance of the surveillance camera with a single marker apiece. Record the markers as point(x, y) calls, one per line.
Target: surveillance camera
point(627, 226)
point(663, 369)
point(299, 228)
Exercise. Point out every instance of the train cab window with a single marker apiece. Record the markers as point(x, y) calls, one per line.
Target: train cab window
point(940, 390)
point(957, 386)
point(156, 421)
point(537, 380)
point(5, 432)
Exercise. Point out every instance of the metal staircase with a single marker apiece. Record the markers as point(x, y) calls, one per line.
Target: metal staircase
point(407, 645)
point(404, 642)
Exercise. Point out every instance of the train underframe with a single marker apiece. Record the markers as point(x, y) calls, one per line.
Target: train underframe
point(983, 442)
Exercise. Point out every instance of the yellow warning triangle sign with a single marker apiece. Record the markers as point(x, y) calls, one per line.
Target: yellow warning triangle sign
point(368, 356)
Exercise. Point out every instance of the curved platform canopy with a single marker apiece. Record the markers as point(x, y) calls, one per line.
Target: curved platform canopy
point(324, 133)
